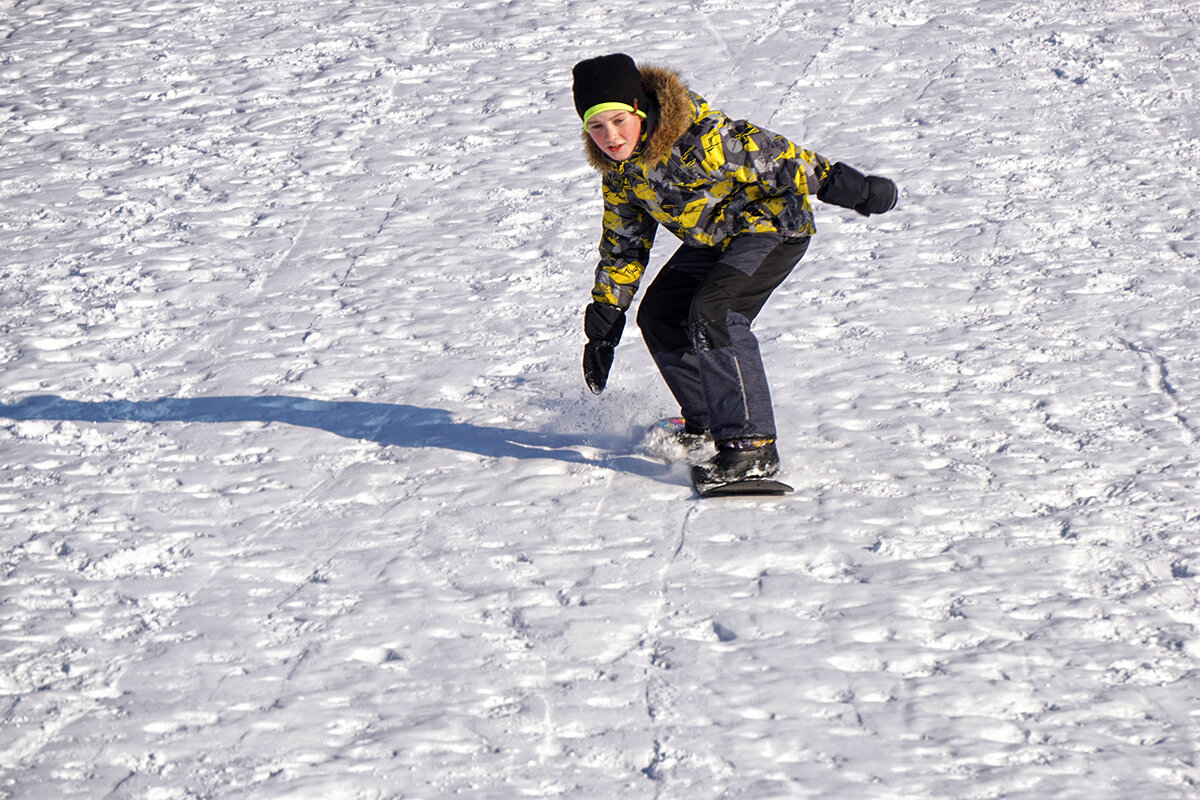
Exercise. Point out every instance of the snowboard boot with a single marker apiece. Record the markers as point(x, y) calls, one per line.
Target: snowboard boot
point(674, 440)
point(739, 460)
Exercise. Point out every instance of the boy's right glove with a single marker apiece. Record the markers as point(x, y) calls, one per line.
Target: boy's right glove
point(603, 325)
point(849, 188)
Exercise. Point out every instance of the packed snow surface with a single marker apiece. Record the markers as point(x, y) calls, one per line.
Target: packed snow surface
point(303, 495)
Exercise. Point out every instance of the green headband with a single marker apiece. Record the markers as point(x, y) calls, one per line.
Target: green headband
point(600, 107)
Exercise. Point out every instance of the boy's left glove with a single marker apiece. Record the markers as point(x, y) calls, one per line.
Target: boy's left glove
point(603, 325)
point(867, 194)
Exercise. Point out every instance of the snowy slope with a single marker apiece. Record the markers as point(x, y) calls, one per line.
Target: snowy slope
point(303, 495)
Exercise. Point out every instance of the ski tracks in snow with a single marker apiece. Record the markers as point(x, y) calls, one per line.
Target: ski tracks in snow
point(1158, 378)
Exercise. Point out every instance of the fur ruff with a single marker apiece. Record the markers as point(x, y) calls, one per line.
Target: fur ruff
point(676, 111)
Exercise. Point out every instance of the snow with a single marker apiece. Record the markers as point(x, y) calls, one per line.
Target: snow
point(303, 494)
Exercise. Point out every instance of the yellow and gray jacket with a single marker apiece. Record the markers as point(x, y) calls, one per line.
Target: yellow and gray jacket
point(704, 177)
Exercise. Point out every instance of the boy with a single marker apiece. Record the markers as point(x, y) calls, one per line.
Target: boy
point(737, 198)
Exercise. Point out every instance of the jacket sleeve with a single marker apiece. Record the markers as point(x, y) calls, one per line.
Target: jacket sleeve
point(625, 246)
point(743, 152)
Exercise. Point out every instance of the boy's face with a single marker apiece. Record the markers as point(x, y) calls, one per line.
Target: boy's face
point(615, 132)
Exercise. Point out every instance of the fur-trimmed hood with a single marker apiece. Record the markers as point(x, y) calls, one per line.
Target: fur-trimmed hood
point(676, 113)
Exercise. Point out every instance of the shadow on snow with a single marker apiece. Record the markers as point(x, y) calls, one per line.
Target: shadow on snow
point(385, 424)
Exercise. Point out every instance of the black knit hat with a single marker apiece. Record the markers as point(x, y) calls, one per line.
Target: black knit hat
point(606, 83)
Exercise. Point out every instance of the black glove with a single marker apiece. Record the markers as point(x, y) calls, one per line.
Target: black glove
point(603, 325)
point(849, 188)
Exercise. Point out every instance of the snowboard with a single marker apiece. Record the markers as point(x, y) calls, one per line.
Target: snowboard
point(748, 488)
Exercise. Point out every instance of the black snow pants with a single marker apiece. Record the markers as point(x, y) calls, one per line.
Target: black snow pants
point(695, 318)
